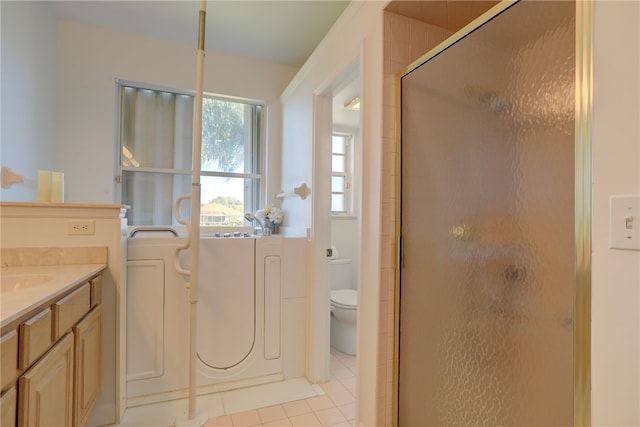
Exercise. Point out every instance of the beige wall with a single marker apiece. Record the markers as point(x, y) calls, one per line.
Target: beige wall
point(89, 59)
point(615, 279)
point(28, 94)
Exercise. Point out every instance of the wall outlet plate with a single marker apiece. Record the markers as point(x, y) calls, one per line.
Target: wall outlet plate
point(624, 226)
point(81, 227)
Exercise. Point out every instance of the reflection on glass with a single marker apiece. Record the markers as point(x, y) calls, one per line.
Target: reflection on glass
point(487, 285)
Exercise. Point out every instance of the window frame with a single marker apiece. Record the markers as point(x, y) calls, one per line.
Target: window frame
point(257, 138)
point(348, 174)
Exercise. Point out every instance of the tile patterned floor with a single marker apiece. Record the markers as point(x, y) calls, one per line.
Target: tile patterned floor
point(294, 403)
point(335, 408)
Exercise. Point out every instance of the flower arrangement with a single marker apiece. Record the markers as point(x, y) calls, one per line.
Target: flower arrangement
point(271, 213)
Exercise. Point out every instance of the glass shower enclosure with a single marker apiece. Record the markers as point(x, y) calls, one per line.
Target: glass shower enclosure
point(487, 296)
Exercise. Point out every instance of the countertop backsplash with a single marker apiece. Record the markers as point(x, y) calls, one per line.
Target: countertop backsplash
point(43, 256)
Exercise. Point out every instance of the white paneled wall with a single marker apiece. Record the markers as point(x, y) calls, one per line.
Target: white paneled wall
point(294, 256)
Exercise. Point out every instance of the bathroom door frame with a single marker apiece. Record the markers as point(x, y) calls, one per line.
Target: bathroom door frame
point(582, 202)
point(318, 344)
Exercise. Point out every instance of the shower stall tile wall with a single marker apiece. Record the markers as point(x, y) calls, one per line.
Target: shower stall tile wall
point(406, 39)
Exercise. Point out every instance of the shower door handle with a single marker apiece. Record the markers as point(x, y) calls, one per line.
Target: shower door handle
point(400, 255)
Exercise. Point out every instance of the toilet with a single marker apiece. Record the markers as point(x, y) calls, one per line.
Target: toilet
point(344, 307)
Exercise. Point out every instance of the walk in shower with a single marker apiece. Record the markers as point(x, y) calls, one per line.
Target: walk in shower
point(489, 326)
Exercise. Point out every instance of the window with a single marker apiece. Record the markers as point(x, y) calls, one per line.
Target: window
point(156, 139)
point(341, 174)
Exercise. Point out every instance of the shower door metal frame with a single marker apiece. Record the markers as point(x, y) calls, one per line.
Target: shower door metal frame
point(582, 203)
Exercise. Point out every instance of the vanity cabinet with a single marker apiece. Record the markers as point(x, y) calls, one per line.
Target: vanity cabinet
point(52, 359)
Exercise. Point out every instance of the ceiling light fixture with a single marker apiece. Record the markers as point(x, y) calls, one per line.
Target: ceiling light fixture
point(354, 104)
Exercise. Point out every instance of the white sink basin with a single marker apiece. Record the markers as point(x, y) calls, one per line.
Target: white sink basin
point(16, 282)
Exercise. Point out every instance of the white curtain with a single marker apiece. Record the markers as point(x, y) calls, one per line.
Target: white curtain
point(157, 131)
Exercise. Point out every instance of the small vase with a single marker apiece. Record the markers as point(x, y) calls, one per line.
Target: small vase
point(268, 226)
point(272, 227)
point(275, 228)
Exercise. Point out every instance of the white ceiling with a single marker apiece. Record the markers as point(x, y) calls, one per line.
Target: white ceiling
point(284, 32)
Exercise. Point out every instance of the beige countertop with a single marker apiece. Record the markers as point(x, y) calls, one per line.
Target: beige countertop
point(25, 288)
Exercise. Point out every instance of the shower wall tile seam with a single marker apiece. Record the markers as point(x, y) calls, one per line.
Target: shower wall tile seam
point(390, 150)
point(399, 52)
point(389, 90)
point(417, 39)
point(388, 252)
point(388, 162)
point(388, 123)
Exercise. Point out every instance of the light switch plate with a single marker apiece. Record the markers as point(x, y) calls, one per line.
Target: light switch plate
point(624, 226)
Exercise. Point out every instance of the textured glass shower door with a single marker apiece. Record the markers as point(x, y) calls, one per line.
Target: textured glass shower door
point(487, 282)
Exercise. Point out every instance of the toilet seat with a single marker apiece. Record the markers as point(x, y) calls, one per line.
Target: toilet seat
point(345, 298)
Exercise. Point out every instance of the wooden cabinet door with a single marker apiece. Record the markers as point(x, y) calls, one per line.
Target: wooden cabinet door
point(9, 358)
point(8, 408)
point(88, 369)
point(46, 390)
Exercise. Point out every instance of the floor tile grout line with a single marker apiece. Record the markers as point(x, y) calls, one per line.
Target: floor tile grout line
point(333, 403)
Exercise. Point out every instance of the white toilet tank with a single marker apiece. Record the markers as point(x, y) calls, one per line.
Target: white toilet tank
point(341, 274)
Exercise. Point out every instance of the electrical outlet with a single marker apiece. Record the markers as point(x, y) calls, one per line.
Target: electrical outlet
point(83, 226)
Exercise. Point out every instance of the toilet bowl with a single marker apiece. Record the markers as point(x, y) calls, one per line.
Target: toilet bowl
point(344, 307)
point(344, 312)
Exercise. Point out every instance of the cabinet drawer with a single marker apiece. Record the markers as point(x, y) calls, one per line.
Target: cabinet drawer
point(70, 309)
point(9, 355)
point(8, 407)
point(35, 338)
point(96, 291)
